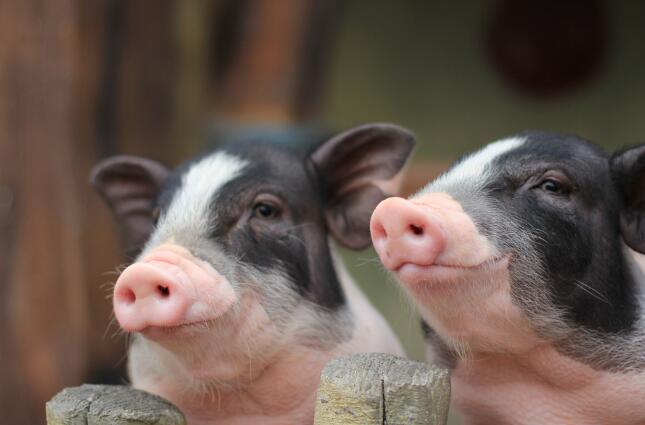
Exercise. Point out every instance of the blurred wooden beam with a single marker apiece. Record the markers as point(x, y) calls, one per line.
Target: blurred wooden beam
point(145, 78)
point(420, 173)
point(273, 61)
point(42, 291)
point(194, 25)
point(98, 50)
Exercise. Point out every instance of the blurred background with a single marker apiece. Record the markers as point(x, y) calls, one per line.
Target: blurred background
point(84, 79)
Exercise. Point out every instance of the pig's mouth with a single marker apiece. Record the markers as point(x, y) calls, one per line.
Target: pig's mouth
point(185, 330)
point(446, 274)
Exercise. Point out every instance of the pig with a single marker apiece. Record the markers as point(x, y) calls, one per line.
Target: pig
point(523, 261)
point(237, 299)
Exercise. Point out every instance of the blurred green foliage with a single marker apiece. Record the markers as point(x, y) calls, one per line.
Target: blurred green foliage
point(421, 64)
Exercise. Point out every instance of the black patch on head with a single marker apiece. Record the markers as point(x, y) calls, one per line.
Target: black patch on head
point(301, 248)
point(578, 237)
point(295, 243)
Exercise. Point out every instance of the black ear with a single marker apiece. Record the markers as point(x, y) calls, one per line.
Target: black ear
point(129, 185)
point(628, 171)
point(359, 168)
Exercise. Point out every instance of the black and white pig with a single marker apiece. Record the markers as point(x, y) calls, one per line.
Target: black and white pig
point(237, 299)
point(523, 261)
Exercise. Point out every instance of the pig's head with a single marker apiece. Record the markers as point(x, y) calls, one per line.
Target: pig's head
point(527, 240)
point(235, 264)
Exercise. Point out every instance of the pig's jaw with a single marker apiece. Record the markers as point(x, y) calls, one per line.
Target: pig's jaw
point(228, 351)
point(475, 312)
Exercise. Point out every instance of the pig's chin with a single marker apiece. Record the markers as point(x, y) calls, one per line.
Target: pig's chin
point(442, 277)
point(222, 352)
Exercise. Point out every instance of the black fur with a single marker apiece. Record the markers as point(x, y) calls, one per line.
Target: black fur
point(579, 238)
point(298, 244)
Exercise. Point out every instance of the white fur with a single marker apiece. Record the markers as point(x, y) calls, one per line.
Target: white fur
point(475, 168)
point(199, 184)
point(379, 336)
point(189, 209)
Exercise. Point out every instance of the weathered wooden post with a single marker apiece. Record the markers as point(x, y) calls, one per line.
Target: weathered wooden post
point(365, 389)
point(376, 389)
point(110, 405)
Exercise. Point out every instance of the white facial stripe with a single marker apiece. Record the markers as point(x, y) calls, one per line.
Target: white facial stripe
point(475, 168)
point(189, 208)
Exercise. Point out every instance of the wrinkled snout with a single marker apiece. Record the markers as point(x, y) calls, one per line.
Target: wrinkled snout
point(168, 288)
point(403, 232)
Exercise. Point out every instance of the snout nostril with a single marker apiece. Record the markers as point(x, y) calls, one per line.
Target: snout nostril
point(128, 296)
point(163, 291)
point(379, 231)
point(417, 230)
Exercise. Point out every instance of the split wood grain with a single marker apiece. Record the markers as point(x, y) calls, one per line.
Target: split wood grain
point(110, 405)
point(377, 389)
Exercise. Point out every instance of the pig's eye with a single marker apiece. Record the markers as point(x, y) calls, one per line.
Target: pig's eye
point(265, 210)
point(551, 186)
point(558, 185)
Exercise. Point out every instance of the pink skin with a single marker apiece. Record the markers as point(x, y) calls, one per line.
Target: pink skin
point(170, 290)
point(506, 374)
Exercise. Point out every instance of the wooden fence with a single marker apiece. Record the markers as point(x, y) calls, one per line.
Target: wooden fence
point(365, 389)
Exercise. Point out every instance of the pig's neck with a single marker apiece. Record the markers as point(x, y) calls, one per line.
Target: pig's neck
point(283, 393)
point(542, 386)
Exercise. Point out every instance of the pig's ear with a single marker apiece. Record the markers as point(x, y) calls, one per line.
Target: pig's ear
point(129, 185)
point(628, 170)
point(359, 168)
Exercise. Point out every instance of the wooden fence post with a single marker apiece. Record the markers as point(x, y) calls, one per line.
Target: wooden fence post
point(377, 389)
point(110, 405)
point(365, 389)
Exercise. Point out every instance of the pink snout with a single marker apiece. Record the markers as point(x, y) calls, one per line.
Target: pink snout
point(405, 233)
point(147, 295)
point(170, 288)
